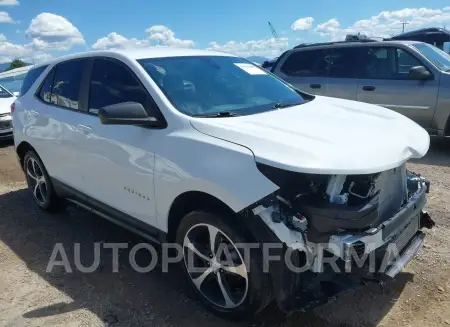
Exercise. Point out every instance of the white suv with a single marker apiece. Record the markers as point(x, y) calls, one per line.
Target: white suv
point(205, 149)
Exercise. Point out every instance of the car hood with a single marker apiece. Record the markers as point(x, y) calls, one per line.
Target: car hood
point(324, 136)
point(5, 105)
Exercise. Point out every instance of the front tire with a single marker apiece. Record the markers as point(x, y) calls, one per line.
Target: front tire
point(40, 184)
point(226, 281)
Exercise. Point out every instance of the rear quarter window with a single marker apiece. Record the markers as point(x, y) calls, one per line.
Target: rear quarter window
point(30, 78)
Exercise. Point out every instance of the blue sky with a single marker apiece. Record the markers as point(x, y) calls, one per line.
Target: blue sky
point(39, 29)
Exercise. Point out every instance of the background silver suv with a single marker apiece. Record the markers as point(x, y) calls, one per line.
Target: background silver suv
point(412, 78)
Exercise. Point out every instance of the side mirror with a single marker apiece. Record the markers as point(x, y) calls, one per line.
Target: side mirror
point(126, 113)
point(419, 73)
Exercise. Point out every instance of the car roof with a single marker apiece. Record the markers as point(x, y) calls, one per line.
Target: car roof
point(353, 44)
point(136, 54)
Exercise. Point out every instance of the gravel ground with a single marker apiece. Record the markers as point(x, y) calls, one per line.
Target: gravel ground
point(29, 296)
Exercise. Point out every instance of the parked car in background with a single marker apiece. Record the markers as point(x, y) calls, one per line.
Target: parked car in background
point(409, 77)
point(216, 154)
point(13, 79)
point(6, 99)
point(437, 36)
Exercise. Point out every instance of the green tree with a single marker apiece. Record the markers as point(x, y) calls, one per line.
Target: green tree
point(16, 63)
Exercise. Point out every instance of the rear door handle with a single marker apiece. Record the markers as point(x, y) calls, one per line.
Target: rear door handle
point(315, 86)
point(369, 88)
point(34, 113)
point(84, 128)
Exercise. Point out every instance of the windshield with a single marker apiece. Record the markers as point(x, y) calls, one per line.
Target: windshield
point(438, 57)
point(216, 86)
point(4, 93)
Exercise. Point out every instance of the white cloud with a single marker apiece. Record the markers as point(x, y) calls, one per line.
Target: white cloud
point(116, 41)
point(53, 32)
point(9, 3)
point(162, 35)
point(302, 24)
point(269, 47)
point(158, 35)
point(10, 51)
point(331, 27)
point(387, 23)
point(6, 18)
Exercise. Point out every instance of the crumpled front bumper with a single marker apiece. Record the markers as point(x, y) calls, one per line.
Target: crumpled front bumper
point(298, 292)
point(390, 247)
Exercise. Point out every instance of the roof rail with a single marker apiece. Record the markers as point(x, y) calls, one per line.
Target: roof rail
point(304, 45)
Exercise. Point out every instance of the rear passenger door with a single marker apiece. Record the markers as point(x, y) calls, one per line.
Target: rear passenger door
point(61, 113)
point(304, 69)
point(384, 80)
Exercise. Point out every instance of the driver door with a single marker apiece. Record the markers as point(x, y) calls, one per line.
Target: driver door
point(119, 159)
point(384, 80)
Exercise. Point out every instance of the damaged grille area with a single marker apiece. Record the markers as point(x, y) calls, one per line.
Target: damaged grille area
point(392, 189)
point(333, 203)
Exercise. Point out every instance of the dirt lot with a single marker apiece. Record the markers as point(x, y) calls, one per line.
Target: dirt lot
point(420, 296)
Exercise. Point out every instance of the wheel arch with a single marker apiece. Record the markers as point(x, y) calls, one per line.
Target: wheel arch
point(196, 200)
point(22, 149)
point(190, 201)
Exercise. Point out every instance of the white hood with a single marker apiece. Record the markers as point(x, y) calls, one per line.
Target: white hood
point(5, 105)
point(324, 136)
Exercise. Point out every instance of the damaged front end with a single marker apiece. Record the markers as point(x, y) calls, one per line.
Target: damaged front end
point(331, 225)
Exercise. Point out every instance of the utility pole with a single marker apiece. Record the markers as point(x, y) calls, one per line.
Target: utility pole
point(403, 26)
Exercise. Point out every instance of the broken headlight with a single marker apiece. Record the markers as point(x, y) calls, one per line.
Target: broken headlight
point(325, 200)
point(351, 190)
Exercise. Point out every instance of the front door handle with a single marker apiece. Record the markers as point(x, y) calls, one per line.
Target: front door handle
point(84, 128)
point(369, 88)
point(315, 86)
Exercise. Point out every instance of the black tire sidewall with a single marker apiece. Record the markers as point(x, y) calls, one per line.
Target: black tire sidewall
point(258, 293)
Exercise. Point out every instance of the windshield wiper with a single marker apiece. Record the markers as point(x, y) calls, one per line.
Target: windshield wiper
point(218, 114)
point(280, 105)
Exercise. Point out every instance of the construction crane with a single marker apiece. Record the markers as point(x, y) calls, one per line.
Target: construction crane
point(276, 37)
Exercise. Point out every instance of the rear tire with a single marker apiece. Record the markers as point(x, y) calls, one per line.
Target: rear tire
point(40, 184)
point(232, 290)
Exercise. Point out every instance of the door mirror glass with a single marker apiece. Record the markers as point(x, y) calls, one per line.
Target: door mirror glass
point(126, 113)
point(419, 73)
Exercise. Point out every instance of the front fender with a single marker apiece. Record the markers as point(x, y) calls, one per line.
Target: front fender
point(205, 164)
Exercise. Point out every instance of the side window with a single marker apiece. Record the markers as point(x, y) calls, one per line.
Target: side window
point(405, 61)
point(67, 83)
point(387, 63)
point(341, 62)
point(376, 63)
point(113, 83)
point(305, 64)
point(46, 87)
point(30, 78)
